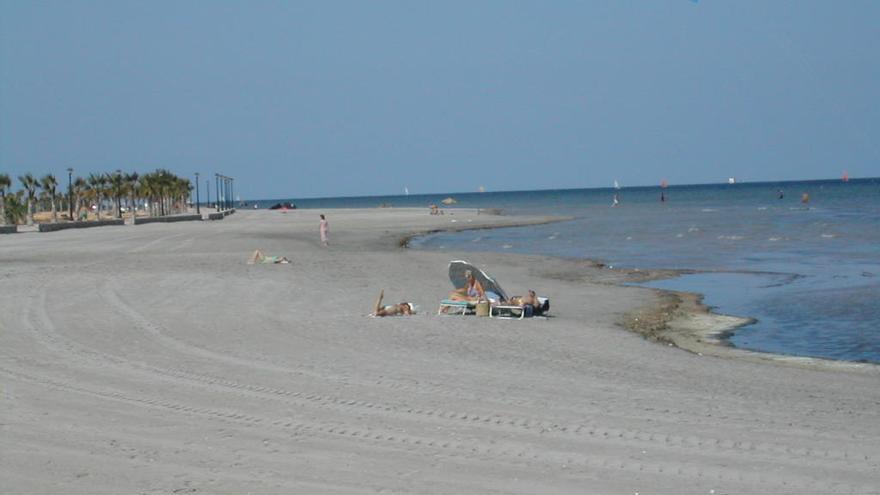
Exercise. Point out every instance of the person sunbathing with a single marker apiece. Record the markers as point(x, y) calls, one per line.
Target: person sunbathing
point(401, 309)
point(530, 303)
point(530, 298)
point(472, 291)
point(259, 258)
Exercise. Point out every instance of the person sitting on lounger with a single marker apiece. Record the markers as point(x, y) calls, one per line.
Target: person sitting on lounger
point(401, 309)
point(260, 258)
point(472, 291)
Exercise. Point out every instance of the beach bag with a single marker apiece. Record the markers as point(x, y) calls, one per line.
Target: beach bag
point(482, 308)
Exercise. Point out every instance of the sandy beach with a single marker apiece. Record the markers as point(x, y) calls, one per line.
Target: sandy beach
point(152, 359)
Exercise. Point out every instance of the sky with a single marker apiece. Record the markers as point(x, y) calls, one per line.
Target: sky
point(349, 98)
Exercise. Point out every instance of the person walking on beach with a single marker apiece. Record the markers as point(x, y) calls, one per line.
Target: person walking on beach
point(324, 228)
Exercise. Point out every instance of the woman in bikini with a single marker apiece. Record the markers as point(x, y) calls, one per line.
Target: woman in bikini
point(472, 290)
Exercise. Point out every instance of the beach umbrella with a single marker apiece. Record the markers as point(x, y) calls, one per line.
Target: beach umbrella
point(457, 269)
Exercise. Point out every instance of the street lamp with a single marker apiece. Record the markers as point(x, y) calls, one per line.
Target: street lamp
point(217, 189)
point(70, 193)
point(198, 212)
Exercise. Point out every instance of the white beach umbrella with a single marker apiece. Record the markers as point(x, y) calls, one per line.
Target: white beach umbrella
point(457, 269)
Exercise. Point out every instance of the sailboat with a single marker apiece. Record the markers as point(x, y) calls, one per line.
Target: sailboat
point(405, 190)
point(616, 185)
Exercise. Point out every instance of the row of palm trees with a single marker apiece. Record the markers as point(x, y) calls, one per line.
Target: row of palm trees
point(161, 191)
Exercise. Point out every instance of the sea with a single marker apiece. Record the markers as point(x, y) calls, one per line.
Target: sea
point(801, 258)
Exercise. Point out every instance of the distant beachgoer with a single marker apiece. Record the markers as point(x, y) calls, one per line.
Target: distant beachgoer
point(616, 200)
point(662, 197)
point(400, 309)
point(472, 291)
point(781, 194)
point(805, 198)
point(259, 258)
point(324, 229)
point(434, 209)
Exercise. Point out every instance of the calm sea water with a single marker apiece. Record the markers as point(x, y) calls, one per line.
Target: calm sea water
point(810, 274)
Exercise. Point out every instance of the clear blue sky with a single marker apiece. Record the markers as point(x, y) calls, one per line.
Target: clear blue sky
point(310, 99)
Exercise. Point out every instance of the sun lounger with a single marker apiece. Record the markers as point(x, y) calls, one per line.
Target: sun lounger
point(520, 312)
point(450, 307)
point(495, 293)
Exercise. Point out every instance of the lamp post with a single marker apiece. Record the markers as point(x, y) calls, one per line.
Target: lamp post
point(228, 193)
point(217, 189)
point(198, 212)
point(70, 193)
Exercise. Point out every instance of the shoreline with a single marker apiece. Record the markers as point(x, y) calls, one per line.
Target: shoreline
point(680, 318)
point(157, 360)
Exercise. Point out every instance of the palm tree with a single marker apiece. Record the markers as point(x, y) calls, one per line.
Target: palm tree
point(132, 186)
point(116, 182)
point(49, 184)
point(147, 190)
point(5, 184)
point(97, 183)
point(30, 184)
point(15, 207)
point(79, 188)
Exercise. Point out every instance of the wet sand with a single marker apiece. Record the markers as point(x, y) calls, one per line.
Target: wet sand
point(153, 359)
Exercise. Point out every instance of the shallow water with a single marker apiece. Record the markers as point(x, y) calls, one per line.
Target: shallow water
point(810, 274)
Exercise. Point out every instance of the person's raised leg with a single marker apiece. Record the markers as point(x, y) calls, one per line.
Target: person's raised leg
point(378, 309)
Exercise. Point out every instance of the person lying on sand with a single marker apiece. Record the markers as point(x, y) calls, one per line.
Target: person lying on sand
point(259, 258)
point(401, 309)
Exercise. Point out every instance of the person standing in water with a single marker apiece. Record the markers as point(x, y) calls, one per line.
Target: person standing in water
point(805, 198)
point(324, 228)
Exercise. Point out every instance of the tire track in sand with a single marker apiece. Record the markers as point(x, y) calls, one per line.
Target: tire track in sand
point(531, 425)
point(509, 452)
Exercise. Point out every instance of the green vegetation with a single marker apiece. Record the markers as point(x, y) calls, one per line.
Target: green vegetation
point(155, 194)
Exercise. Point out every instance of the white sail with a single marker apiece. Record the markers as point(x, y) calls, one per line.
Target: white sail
point(406, 190)
point(616, 185)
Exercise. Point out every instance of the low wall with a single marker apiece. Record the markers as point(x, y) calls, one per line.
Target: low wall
point(219, 215)
point(8, 229)
point(52, 227)
point(170, 218)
